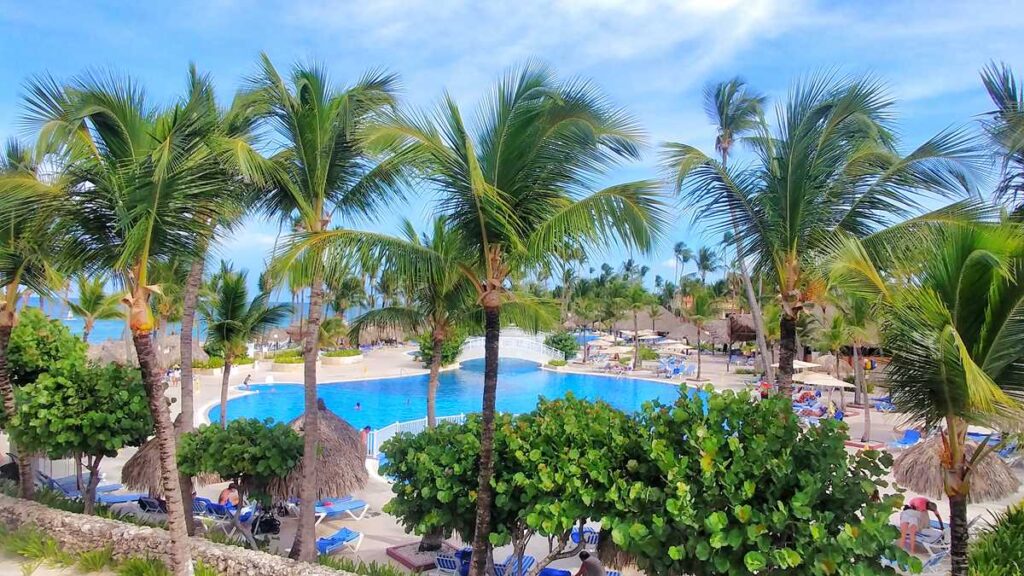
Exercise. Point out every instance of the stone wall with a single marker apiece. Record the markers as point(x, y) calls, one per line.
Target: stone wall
point(78, 533)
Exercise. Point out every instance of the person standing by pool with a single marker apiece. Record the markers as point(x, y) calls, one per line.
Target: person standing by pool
point(591, 566)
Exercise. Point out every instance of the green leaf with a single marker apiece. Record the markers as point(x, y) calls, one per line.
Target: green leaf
point(754, 561)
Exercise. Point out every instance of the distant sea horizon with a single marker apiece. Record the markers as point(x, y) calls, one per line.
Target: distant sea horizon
point(104, 330)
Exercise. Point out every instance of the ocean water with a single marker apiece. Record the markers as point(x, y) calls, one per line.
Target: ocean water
point(389, 400)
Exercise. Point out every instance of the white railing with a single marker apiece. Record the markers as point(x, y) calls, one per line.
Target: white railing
point(381, 435)
point(513, 346)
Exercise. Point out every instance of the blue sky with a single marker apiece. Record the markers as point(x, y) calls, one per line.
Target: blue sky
point(652, 57)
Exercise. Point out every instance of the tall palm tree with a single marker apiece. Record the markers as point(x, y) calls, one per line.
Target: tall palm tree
point(586, 309)
point(635, 300)
point(831, 335)
point(681, 254)
point(517, 188)
point(94, 303)
point(830, 167)
point(137, 185)
point(345, 293)
point(956, 341)
point(706, 261)
point(26, 263)
point(654, 310)
point(232, 320)
point(703, 308)
point(772, 313)
point(322, 173)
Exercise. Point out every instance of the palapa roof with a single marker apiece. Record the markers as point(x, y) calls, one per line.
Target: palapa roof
point(142, 471)
point(341, 466)
point(918, 469)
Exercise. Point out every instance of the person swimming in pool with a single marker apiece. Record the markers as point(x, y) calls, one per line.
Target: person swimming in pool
point(359, 407)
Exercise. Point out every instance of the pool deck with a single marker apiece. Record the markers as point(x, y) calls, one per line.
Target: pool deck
point(383, 531)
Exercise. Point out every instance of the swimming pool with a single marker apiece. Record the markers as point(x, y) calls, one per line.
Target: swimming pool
point(389, 400)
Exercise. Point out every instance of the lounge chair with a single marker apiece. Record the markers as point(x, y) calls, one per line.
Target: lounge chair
point(512, 567)
point(910, 437)
point(933, 540)
point(346, 507)
point(152, 505)
point(200, 507)
point(225, 514)
point(590, 537)
point(70, 483)
point(108, 498)
point(445, 565)
point(934, 563)
point(340, 540)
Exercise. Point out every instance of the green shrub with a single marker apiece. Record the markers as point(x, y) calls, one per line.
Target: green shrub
point(288, 353)
point(95, 560)
point(450, 348)
point(143, 567)
point(242, 361)
point(564, 342)
point(557, 363)
point(359, 567)
point(747, 371)
point(289, 359)
point(210, 363)
point(647, 354)
point(999, 550)
point(202, 569)
point(34, 544)
point(346, 353)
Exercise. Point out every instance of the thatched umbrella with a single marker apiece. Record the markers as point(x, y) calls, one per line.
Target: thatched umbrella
point(142, 471)
point(341, 465)
point(918, 469)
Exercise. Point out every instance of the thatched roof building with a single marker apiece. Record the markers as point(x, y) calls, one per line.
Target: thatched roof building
point(341, 466)
point(918, 469)
point(142, 471)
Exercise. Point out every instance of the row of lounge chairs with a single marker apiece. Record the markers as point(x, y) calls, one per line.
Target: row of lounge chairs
point(1010, 453)
point(67, 487)
point(447, 565)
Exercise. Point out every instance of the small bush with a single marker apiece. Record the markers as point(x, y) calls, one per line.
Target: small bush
point(999, 551)
point(289, 360)
point(347, 353)
point(450, 349)
point(557, 363)
point(95, 560)
point(209, 364)
point(142, 567)
point(202, 569)
point(746, 371)
point(359, 567)
point(288, 353)
point(647, 354)
point(243, 361)
point(31, 543)
point(564, 342)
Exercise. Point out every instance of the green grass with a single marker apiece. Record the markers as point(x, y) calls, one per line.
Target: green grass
point(999, 551)
point(347, 353)
point(32, 543)
point(557, 363)
point(359, 567)
point(142, 567)
point(209, 364)
point(95, 560)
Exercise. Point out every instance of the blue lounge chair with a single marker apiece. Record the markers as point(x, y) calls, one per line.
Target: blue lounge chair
point(200, 507)
point(910, 437)
point(334, 507)
point(152, 505)
point(71, 482)
point(224, 514)
point(340, 540)
point(512, 567)
point(934, 563)
point(590, 537)
point(445, 565)
point(107, 499)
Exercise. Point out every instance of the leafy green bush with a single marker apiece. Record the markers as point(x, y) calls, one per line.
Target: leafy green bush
point(209, 364)
point(95, 560)
point(564, 342)
point(288, 353)
point(745, 371)
point(648, 353)
point(346, 353)
point(557, 363)
point(999, 550)
point(450, 348)
point(289, 359)
point(359, 567)
point(731, 486)
point(242, 360)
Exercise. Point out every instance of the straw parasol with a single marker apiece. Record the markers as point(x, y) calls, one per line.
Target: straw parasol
point(918, 469)
point(142, 471)
point(341, 466)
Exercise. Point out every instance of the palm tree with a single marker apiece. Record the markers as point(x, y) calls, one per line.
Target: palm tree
point(832, 335)
point(830, 167)
point(703, 308)
point(232, 320)
point(345, 293)
point(682, 255)
point(94, 303)
point(654, 310)
point(956, 341)
point(26, 264)
point(859, 314)
point(324, 172)
point(517, 190)
point(635, 300)
point(586, 309)
point(137, 188)
point(1005, 128)
point(772, 314)
point(706, 261)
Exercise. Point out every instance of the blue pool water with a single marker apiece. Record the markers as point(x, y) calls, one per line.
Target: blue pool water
point(391, 400)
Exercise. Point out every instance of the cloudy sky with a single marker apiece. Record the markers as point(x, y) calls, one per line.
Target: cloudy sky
point(652, 57)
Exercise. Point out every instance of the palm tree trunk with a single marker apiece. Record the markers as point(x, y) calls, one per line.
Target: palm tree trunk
point(26, 480)
point(225, 382)
point(787, 353)
point(958, 533)
point(180, 558)
point(86, 329)
point(304, 547)
point(435, 373)
point(755, 314)
point(858, 380)
point(636, 341)
point(485, 495)
point(186, 420)
point(698, 353)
